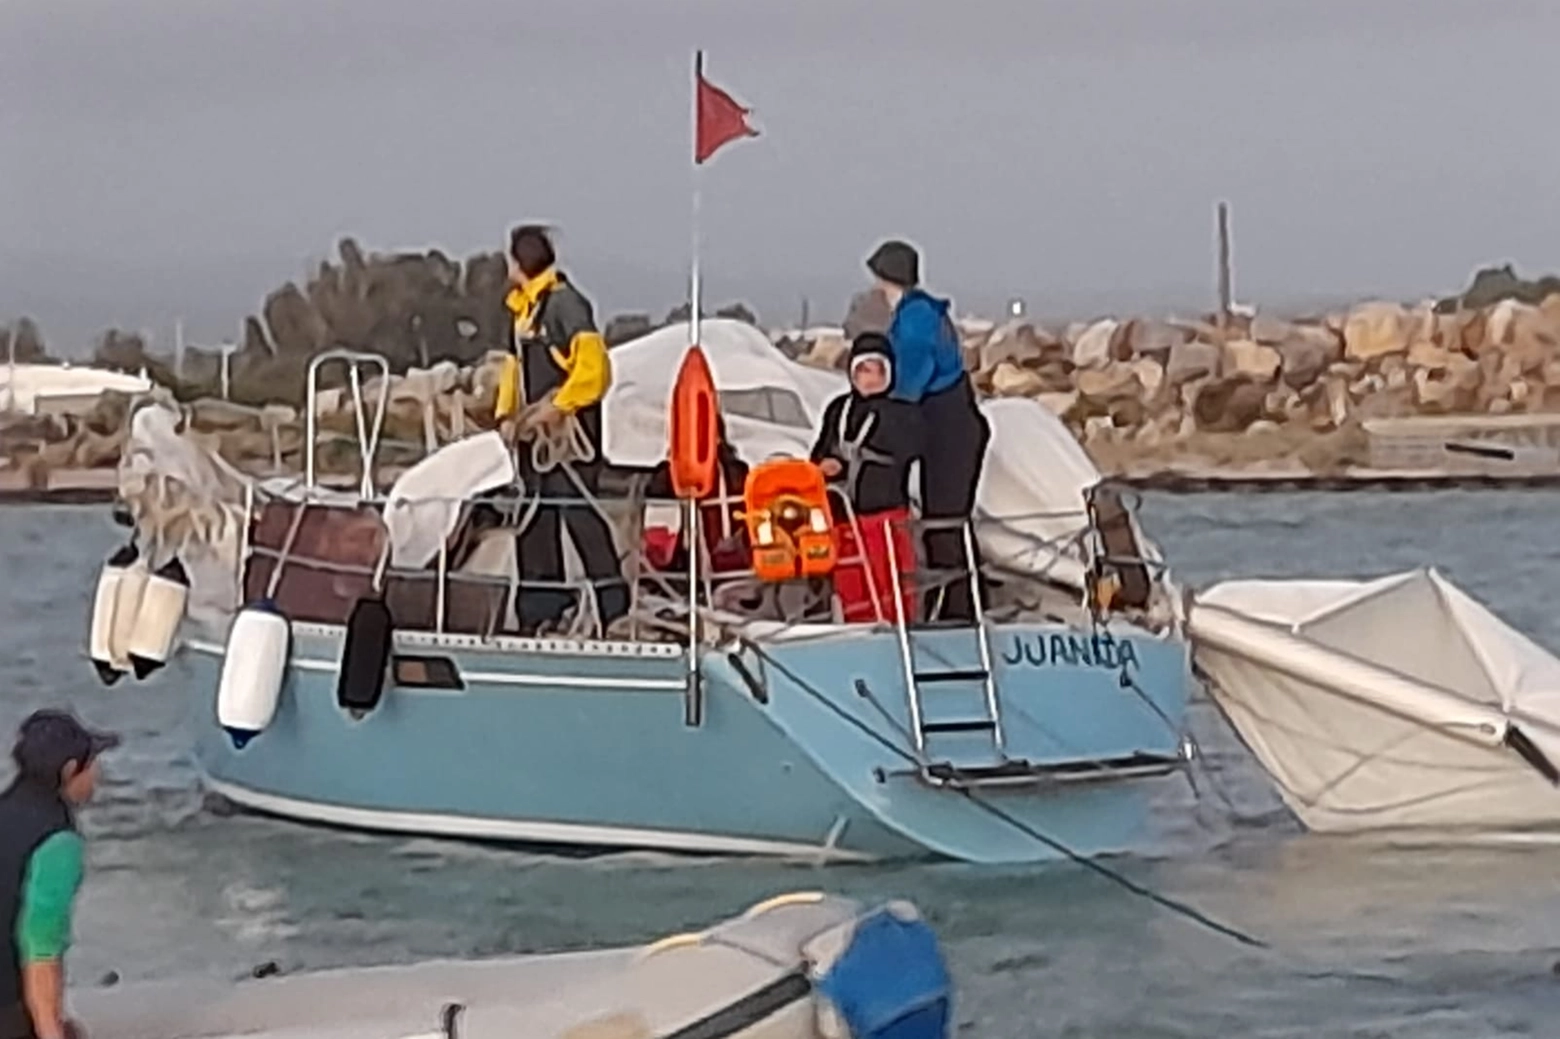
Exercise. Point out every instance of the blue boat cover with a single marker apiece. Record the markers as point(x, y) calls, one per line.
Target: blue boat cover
point(891, 981)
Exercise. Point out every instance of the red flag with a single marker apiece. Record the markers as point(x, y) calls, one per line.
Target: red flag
point(719, 118)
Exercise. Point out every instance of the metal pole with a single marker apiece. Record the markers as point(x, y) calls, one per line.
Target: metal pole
point(693, 694)
point(695, 286)
point(1226, 286)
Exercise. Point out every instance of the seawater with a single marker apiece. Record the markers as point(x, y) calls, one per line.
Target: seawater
point(1363, 941)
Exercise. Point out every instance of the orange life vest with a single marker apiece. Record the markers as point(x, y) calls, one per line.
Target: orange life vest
point(789, 522)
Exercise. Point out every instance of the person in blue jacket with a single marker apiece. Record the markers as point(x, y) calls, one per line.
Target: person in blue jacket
point(928, 366)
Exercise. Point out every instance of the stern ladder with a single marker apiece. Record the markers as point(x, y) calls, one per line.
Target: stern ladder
point(919, 679)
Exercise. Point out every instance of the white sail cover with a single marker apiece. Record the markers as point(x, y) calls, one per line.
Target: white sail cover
point(1384, 704)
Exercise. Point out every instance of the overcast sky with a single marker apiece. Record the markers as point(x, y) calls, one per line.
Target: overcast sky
point(160, 157)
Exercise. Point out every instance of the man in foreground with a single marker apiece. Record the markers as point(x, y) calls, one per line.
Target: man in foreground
point(41, 868)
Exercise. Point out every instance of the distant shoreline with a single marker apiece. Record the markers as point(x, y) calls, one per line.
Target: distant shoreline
point(97, 487)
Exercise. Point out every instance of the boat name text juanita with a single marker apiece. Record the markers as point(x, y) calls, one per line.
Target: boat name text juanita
point(1102, 651)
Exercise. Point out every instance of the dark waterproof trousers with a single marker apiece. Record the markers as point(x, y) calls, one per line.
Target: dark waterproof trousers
point(540, 548)
point(953, 453)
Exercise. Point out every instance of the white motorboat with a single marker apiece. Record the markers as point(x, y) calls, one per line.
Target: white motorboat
point(1398, 705)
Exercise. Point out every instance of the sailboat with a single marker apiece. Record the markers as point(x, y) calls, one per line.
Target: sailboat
point(354, 656)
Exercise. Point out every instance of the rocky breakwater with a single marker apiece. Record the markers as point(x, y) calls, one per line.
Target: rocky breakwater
point(424, 408)
point(1260, 393)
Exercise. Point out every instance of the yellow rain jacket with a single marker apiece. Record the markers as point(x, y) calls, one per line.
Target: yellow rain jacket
point(557, 349)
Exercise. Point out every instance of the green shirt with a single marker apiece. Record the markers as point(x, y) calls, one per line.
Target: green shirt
point(48, 896)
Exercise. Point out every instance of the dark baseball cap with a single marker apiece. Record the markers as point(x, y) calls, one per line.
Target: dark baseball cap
point(49, 738)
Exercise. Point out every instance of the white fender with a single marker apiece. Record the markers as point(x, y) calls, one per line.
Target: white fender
point(114, 606)
point(252, 671)
point(101, 623)
point(127, 606)
point(157, 623)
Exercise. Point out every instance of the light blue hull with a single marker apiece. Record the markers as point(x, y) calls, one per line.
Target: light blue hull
point(804, 747)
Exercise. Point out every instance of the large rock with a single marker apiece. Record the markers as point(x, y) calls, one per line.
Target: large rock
point(97, 451)
point(215, 415)
point(1450, 389)
point(1229, 405)
point(1150, 375)
point(1101, 391)
point(1091, 349)
point(1305, 352)
point(1431, 356)
point(1335, 402)
point(1244, 357)
point(1020, 344)
point(1146, 338)
point(1531, 339)
point(1009, 380)
point(1270, 331)
point(1193, 360)
point(1375, 330)
point(109, 414)
point(1104, 386)
point(1059, 404)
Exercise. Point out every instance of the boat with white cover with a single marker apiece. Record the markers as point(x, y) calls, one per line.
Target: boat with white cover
point(798, 966)
point(1398, 706)
point(766, 720)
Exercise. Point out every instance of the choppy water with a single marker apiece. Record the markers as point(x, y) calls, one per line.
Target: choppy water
point(1365, 942)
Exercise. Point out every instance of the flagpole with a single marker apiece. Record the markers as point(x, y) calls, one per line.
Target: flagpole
point(695, 288)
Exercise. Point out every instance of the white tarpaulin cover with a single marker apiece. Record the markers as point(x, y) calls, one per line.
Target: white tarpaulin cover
point(1035, 472)
point(1384, 704)
point(423, 506)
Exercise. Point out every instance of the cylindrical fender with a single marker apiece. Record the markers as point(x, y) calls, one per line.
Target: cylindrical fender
point(128, 593)
point(253, 670)
point(100, 631)
point(157, 623)
point(365, 656)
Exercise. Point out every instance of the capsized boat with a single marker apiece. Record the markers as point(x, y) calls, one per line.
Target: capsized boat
point(356, 660)
point(798, 966)
point(1398, 706)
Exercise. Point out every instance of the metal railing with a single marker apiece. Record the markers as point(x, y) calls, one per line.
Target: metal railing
point(368, 434)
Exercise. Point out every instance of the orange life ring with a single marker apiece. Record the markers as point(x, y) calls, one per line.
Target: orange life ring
point(790, 524)
point(694, 425)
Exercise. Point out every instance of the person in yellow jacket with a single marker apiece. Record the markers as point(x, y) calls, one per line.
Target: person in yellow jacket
point(561, 370)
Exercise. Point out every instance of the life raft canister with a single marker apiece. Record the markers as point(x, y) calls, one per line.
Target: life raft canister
point(790, 523)
point(253, 669)
point(694, 427)
point(157, 621)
